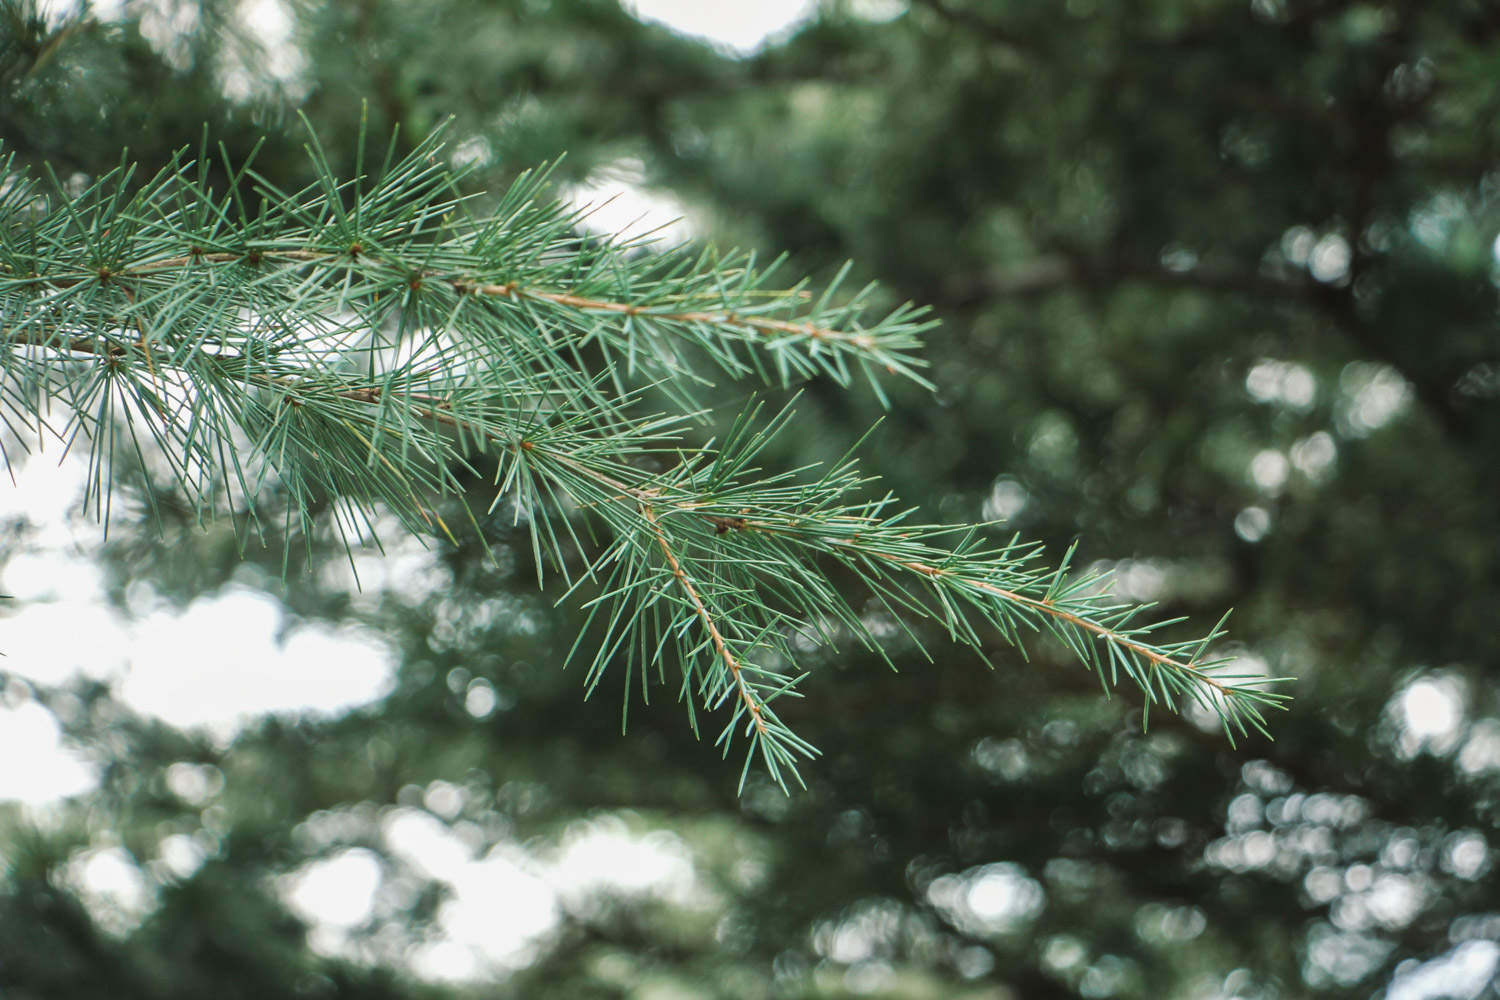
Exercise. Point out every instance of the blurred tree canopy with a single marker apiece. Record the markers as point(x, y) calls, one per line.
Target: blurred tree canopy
point(1218, 283)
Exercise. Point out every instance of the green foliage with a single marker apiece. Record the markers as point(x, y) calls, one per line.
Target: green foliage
point(1217, 300)
point(373, 343)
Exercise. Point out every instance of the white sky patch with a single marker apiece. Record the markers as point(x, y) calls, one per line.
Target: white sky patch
point(53, 628)
point(1007, 499)
point(602, 854)
point(181, 855)
point(55, 642)
point(52, 576)
point(737, 27)
point(337, 891)
point(503, 899)
point(1141, 579)
point(1326, 257)
point(878, 11)
point(1429, 715)
point(30, 733)
point(427, 844)
point(218, 664)
point(47, 485)
point(497, 916)
point(989, 899)
point(1268, 471)
point(56, 12)
point(500, 905)
point(1462, 973)
point(618, 206)
point(169, 25)
point(858, 939)
point(1297, 244)
point(406, 569)
point(499, 908)
point(194, 784)
point(1252, 523)
point(269, 26)
point(1343, 958)
point(1481, 751)
point(1286, 383)
point(112, 887)
point(1466, 854)
point(1434, 222)
point(1371, 396)
point(1330, 258)
point(1314, 455)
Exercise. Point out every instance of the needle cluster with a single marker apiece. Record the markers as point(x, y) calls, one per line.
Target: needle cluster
point(376, 343)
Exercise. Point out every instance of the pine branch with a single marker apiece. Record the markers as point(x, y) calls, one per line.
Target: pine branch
point(774, 532)
point(372, 341)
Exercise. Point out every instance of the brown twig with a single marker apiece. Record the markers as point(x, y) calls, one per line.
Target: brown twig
point(721, 646)
point(762, 323)
point(144, 343)
point(1048, 608)
point(508, 290)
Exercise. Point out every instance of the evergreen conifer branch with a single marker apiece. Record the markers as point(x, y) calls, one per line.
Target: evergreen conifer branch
point(764, 538)
point(373, 341)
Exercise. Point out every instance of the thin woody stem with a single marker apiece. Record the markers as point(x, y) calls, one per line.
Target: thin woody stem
point(144, 343)
point(509, 290)
point(721, 646)
point(1048, 608)
point(762, 323)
